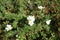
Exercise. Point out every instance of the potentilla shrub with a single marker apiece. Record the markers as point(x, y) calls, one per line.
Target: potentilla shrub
point(29, 20)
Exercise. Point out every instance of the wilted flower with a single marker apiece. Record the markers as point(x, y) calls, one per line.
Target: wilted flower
point(8, 27)
point(48, 22)
point(31, 20)
point(40, 7)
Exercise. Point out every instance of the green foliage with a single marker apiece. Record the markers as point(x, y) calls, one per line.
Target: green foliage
point(15, 12)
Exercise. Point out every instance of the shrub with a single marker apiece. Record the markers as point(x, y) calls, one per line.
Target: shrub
point(14, 13)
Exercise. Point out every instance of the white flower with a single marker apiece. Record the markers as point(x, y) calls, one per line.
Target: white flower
point(31, 20)
point(40, 7)
point(48, 22)
point(8, 27)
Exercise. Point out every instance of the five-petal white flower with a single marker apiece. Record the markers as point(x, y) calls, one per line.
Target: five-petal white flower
point(31, 20)
point(8, 27)
point(48, 22)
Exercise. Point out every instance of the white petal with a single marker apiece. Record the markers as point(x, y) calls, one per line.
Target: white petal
point(7, 29)
point(31, 18)
point(31, 23)
point(48, 22)
point(8, 25)
point(16, 35)
point(40, 7)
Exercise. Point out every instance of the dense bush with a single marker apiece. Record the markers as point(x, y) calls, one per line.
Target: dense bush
point(15, 12)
